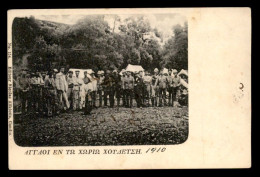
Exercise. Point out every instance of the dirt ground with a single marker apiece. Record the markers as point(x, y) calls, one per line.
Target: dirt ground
point(105, 126)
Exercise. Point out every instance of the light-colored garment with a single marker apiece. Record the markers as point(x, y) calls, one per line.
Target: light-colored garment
point(94, 83)
point(78, 82)
point(162, 80)
point(176, 81)
point(147, 80)
point(128, 82)
point(61, 83)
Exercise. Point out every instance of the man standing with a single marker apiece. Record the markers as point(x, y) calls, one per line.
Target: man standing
point(123, 92)
point(147, 88)
point(76, 92)
point(70, 80)
point(129, 86)
point(52, 101)
point(109, 83)
point(99, 86)
point(87, 89)
point(62, 88)
point(162, 80)
point(117, 86)
point(176, 85)
point(138, 89)
point(93, 80)
point(170, 87)
point(155, 87)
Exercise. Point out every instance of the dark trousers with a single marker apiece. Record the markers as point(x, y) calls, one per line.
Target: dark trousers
point(129, 97)
point(139, 97)
point(162, 96)
point(118, 93)
point(52, 102)
point(88, 106)
point(100, 97)
point(111, 94)
point(170, 100)
point(174, 93)
point(123, 93)
point(93, 96)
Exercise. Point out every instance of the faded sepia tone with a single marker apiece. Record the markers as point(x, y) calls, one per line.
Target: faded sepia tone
point(219, 99)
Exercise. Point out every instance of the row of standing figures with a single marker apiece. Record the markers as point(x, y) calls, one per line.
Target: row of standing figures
point(44, 94)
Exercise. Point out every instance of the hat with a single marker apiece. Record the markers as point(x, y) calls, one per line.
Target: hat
point(70, 72)
point(156, 70)
point(174, 71)
point(77, 71)
point(102, 72)
point(55, 70)
point(99, 72)
point(115, 71)
point(85, 72)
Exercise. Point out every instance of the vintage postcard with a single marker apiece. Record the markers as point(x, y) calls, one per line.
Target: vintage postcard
point(129, 88)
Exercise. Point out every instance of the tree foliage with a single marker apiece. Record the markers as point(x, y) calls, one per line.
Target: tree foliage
point(92, 43)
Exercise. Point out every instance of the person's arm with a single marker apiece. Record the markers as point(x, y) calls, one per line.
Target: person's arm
point(156, 81)
point(179, 82)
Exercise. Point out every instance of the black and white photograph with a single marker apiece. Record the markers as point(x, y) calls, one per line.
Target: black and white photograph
point(100, 80)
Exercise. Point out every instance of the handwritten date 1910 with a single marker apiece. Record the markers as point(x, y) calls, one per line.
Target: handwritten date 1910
point(152, 150)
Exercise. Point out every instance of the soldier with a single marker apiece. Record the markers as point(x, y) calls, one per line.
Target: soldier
point(99, 86)
point(129, 86)
point(109, 84)
point(162, 80)
point(39, 92)
point(62, 88)
point(176, 84)
point(147, 88)
point(93, 80)
point(138, 89)
point(76, 92)
point(123, 93)
point(155, 88)
point(52, 99)
point(117, 86)
point(170, 87)
point(87, 90)
point(70, 80)
point(24, 86)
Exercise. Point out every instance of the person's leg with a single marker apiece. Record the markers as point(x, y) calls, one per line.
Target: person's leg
point(112, 97)
point(86, 109)
point(131, 97)
point(127, 96)
point(164, 96)
point(123, 97)
point(64, 94)
point(74, 99)
point(174, 94)
point(118, 95)
point(160, 97)
point(94, 99)
point(100, 98)
point(105, 97)
point(169, 96)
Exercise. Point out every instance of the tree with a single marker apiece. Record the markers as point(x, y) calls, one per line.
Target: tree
point(175, 51)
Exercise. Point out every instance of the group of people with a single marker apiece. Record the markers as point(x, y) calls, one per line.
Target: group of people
point(50, 93)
